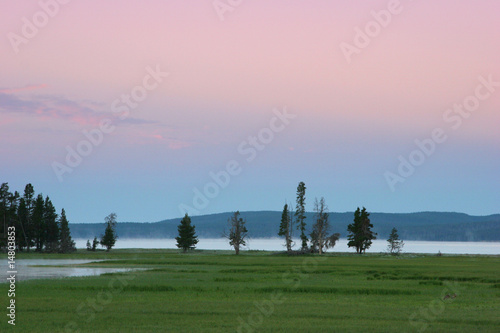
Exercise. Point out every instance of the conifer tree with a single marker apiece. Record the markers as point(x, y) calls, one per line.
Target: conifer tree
point(300, 214)
point(67, 244)
point(29, 225)
point(51, 235)
point(360, 233)
point(286, 227)
point(108, 240)
point(187, 238)
point(38, 224)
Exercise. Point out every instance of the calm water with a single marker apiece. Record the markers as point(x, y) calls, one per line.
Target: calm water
point(276, 244)
point(26, 271)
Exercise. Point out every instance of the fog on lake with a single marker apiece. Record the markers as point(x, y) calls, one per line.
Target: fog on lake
point(277, 244)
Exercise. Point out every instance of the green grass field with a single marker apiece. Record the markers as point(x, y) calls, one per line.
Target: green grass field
point(216, 291)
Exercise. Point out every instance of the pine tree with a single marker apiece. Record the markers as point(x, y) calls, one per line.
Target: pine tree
point(67, 244)
point(108, 240)
point(13, 218)
point(95, 243)
point(360, 233)
point(286, 228)
point(8, 215)
point(38, 223)
point(51, 234)
point(395, 245)
point(300, 214)
point(4, 214)
point(237, 232)
point(187, 239)
point(22, 218)
point(26, 216)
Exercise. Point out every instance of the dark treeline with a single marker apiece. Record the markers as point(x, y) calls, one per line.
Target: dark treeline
point(37, 224)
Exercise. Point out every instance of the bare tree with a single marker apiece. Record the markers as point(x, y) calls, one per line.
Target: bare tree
point(319, 236)
point(237, 232)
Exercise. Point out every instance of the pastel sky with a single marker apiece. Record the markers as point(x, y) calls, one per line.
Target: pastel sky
point(230, 71)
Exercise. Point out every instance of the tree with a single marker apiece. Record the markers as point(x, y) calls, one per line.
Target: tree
point(67, 245)
point(187, 239)
point(300, 213)
point(360, 233)
point(108, 240)
point(89, 247)
point(395, 245)
point(26, 217)
point(39, 223)
point(51, 235)
point(4, 213)
point(286, 227)
point(95, 243)
point(34, 218)
point(319, 235)
point(237, 232)
point(22, 219)
point(13, 218)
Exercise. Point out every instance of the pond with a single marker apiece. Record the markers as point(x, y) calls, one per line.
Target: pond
point(34, 269)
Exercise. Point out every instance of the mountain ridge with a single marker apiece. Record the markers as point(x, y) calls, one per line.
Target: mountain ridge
point(430, 226)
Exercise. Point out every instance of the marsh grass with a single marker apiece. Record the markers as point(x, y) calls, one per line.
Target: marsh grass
point(209, 291)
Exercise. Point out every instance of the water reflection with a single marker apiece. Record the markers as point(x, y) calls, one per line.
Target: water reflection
point(27, 270)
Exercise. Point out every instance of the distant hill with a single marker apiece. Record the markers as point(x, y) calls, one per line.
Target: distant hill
point(431, 226)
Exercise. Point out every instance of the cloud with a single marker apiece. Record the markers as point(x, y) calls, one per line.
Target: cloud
point(51, 107)
point(21, 89)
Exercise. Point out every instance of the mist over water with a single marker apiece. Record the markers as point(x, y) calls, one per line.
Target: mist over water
point(277, 244)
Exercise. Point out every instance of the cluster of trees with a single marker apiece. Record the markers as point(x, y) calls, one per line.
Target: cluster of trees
point(36, 222)
point(237, 234)
point(109, 238)
point(320, 237)
point(360, 231)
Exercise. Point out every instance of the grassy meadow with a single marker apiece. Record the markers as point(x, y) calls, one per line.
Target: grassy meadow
point(216, 291)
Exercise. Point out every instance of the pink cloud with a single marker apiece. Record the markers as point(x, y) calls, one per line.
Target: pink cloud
point(49, 107)
point(21, 89)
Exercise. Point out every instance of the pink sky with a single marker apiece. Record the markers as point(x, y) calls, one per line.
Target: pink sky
point(225, 77)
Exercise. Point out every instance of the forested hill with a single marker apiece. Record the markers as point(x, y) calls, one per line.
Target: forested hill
point(432, 226)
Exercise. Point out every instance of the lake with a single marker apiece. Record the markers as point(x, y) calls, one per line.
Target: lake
point(276, 244)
